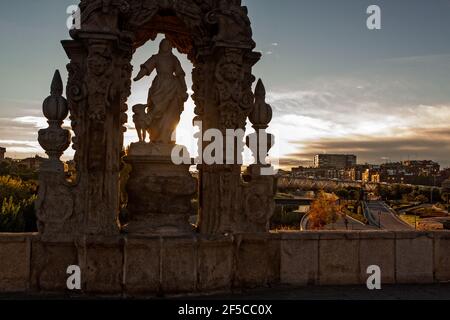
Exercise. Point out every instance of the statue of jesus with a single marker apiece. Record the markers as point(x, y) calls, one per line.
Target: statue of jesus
point(167, 94)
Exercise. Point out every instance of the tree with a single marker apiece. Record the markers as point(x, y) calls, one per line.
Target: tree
point(421, 198)
point(324, 210)
point(383, 192)
point(354, 195)
point(342, 194)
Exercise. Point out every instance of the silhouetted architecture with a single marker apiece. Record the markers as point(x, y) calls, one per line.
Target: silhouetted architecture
point(31, 163)
point(336, 161)
point(417, 172)
point(216, 37)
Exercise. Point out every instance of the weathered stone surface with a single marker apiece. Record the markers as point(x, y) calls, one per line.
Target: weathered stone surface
point(339, 258)
point(252, 260)
point(15, 254)
point(101, 262)
point(299, 260)
point(274, 252)
point(378, 248)
point(414, 257)
point(159, 192)
point(215, 264)
point(50, 261)
point(209, 264)
point(142, 265)
point(55, 203)
point(442, 256)
point(179, 264)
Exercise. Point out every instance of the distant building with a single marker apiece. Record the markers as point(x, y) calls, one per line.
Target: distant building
point(344, 167)
point(371, 176)
point(422, 167)
point(356, 173)
point(444, 175)
point(324, 173)
point(2, 153)
point(31, 163)
point(335, 161)
point(417, 172)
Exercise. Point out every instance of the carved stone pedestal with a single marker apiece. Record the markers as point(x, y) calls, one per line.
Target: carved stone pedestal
point(159, 191)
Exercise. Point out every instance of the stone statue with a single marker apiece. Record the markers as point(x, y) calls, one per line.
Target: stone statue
point(141, 121)
point(166, 96)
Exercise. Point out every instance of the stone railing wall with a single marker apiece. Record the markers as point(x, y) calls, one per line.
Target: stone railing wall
point(133, 266)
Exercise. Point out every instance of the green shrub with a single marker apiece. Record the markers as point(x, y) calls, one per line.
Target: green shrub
point(11, 218)
point(16, 188)
point(17, 213)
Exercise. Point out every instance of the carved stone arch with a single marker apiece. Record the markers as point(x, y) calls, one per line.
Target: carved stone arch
point(217, 37)
point(180, 21)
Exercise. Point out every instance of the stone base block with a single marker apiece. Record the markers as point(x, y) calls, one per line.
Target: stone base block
point(378, 249)
point(179, 265)
point(299, 259)
point(338, 259)
point(15, 253)
point(142, 274)
point(102, 265)
point(215, 264)
point(252, 260)
point(159, 192)
point(50, 261)
point(442, 256)
point(414, 252)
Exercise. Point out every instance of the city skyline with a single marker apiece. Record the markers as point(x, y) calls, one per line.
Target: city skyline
point(335, 86)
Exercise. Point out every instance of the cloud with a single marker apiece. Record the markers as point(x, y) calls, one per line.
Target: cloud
point(431, 58)
point(354, 116)
point(36, 122)
point(415, 144)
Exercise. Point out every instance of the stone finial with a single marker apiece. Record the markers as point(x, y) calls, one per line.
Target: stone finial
point(261, 115)
point(56, 87)
point(260, 142)
point(55, 140)
point(55, 106)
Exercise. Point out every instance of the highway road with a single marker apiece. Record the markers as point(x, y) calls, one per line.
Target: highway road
point(381, 215)
point(352, 224)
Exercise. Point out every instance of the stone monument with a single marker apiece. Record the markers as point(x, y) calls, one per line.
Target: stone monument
point(216, 36)
point(159, 191)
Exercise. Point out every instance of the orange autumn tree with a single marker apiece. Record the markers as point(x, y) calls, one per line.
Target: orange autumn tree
point(324, 210)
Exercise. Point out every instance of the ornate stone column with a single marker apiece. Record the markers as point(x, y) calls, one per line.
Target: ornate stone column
point(225, 99)
point(98, 87)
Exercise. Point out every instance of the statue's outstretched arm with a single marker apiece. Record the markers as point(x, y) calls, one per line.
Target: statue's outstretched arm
point(146, 68)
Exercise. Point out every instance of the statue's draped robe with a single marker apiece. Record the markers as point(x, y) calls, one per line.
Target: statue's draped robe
point(166, 96)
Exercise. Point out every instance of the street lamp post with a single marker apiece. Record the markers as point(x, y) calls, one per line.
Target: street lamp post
point(379, 219)
point(432, 189)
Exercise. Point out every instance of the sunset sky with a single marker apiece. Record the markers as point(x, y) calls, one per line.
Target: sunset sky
point(334, 85)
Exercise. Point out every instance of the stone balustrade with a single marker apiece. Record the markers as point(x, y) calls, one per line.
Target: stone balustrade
point(150, 266)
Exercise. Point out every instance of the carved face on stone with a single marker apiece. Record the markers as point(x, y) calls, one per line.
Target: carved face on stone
point(97, 64)
point(231, 72)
